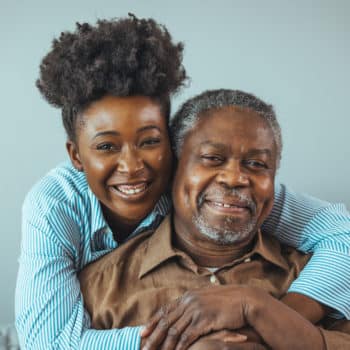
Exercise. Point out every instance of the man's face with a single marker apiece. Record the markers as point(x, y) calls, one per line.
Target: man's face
point(224, 184)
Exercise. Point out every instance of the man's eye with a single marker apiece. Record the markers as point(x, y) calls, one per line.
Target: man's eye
point(256, 164)
point(150, 142)
point(211, 159)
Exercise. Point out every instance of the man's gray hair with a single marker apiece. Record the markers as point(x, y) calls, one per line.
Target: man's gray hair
point(191, 111)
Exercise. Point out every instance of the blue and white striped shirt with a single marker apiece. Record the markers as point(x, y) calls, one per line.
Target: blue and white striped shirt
point(64, 230)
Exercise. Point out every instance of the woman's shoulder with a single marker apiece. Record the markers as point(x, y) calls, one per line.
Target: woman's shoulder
point(61, 185)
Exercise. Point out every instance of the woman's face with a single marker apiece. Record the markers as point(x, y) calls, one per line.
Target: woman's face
point(123, 147)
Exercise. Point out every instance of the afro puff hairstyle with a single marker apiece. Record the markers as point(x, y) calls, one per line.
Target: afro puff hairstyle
point(122, 57)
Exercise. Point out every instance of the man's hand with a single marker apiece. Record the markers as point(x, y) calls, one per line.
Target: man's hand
point(203, 311)
point(195, 314)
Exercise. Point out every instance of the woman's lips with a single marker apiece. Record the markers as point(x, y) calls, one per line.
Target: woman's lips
point(131, 189)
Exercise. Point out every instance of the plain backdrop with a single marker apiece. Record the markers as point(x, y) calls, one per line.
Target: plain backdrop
point(293, 54)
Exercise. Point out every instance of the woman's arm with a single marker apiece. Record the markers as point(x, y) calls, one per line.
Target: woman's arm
point(312, 225)
point(49, 304)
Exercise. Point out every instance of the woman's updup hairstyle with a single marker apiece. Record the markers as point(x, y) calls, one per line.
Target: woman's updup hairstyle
point(122, 57)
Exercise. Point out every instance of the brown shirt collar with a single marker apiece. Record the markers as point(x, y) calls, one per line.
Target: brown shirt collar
point(159, 249)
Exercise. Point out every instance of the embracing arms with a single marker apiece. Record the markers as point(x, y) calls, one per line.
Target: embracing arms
point(310, 225)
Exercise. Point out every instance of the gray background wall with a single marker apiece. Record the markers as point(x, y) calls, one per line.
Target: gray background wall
point(294, 54)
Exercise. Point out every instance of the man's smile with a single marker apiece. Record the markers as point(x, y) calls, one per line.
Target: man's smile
point(233, 209)
point(227, 203)
point(229, 208)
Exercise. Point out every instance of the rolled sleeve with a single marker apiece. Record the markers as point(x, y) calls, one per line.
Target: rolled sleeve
point(49, 305)
point(334, 340)
point(312, 225)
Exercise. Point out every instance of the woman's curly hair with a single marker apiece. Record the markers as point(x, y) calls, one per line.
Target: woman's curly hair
point(123, 57)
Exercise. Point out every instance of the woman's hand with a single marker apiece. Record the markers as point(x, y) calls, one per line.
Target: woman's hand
point(224, 340)
point(215, 344)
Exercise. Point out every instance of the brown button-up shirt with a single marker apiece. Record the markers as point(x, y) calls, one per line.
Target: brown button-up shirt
point(127, 286)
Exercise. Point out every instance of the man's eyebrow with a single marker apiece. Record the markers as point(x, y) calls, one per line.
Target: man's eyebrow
point(250, 152)
point(148, 127)
point(213, 144)
point(259, 151)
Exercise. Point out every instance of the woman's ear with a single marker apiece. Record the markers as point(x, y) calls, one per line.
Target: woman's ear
point(74, 156)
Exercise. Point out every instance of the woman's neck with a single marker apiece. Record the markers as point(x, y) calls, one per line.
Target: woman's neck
point(121, 229)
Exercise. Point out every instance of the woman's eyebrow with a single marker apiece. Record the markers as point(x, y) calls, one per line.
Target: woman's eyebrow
point(148, 127)
point(106, 132)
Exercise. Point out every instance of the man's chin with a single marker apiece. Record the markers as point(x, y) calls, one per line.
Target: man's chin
point(227, 233)
point(230, 238)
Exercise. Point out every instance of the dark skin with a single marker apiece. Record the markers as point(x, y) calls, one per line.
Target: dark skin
point(123, 147)
point(114, 149)
point(279, 326)
point(229, 150)
point(211, 310)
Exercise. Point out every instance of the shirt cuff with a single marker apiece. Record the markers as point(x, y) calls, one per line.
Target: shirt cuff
point(127, 338)
point(326, 279)
point(334, 340)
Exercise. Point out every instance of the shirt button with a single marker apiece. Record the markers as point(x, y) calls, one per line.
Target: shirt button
point(213, 279)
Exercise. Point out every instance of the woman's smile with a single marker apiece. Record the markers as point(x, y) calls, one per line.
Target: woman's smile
point(123, 148)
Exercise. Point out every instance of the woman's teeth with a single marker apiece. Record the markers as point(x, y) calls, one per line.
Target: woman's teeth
point(132, 189)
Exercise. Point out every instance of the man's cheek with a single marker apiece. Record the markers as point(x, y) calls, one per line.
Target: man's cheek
point(265, 185)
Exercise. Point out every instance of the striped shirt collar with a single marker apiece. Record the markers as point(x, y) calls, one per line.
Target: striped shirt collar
point(151, 221)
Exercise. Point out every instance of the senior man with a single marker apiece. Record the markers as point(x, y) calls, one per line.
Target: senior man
point(222, 192)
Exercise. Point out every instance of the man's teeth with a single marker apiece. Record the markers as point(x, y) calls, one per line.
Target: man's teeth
point(131, 189)
point(224, 205)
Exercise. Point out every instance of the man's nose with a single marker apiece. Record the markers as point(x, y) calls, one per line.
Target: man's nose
point(233, 175)
point(129, 161)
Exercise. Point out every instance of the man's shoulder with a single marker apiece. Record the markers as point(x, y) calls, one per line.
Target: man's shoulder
point(295, 258)
point(283, 255)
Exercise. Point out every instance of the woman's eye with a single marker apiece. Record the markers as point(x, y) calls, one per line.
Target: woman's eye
point(106, 147)
point(150, 142)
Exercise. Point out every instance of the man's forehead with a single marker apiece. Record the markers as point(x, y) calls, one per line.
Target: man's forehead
point(226, 131)
point(221, 124)
point(229, 110)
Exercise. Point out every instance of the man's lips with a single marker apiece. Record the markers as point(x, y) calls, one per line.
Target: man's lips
point(229, 207)
point(234, 203)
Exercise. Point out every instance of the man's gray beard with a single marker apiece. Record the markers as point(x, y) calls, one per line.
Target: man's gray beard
point(222, 235)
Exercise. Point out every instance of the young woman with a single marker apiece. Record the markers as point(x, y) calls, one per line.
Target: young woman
point(113, 83)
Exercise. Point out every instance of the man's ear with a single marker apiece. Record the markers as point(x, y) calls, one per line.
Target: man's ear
point(74, 156)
